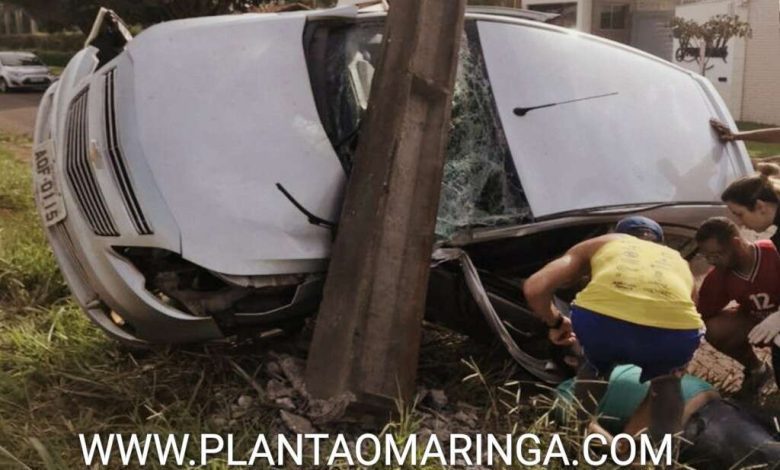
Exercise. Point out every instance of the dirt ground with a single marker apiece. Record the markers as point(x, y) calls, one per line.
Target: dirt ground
point(17, 112)
point(721, 370)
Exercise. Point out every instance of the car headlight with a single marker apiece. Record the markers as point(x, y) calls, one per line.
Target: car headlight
point(16, 75)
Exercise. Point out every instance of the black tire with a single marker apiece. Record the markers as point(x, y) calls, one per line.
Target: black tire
point(3, 86)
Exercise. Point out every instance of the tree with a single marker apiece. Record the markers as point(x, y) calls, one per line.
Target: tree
point(56, 15)
point(702, 42)
point(174, 9)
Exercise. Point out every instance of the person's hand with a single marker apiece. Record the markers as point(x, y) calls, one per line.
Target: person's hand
point(563, 335)
point(724, 133)
point(766, 331)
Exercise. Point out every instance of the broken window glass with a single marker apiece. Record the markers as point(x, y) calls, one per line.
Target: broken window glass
point(480, 186)
point(341, 59)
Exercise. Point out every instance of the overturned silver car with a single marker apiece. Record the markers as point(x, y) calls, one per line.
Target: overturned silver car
point(174, 170)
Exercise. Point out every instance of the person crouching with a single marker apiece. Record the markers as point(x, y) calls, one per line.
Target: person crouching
point(636, 309)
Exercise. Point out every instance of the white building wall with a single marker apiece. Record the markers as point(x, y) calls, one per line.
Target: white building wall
point(726, 76)
point(762, 65)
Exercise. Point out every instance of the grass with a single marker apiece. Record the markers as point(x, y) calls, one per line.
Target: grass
point(758, 150)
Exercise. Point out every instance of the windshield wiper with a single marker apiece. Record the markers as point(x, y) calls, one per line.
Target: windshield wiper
point(524, 111)
point(313, 219)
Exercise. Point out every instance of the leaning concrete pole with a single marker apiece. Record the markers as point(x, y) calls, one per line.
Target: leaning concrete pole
point(367, 335)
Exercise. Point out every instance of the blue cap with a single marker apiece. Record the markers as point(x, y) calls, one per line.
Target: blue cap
point(641, 227)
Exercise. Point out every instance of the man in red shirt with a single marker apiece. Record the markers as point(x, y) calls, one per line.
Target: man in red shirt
point(748, 274)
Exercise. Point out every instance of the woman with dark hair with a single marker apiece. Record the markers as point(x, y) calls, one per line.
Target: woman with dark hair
point(754, 201)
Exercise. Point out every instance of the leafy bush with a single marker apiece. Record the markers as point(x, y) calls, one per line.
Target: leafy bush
point(54, 58)
point(53, 49)
point(62, 42)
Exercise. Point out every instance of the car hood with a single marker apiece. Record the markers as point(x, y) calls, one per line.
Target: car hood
point(220, 126)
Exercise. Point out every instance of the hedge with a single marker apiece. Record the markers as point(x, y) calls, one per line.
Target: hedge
point(62, 42)
point(54, 58)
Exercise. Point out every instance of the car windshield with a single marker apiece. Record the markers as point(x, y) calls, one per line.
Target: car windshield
point(16, 59)
point(480, 186)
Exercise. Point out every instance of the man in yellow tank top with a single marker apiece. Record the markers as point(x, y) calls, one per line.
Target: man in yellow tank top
point(636, 309)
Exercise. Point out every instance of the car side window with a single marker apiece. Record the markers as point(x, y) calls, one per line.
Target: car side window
point(342, 58)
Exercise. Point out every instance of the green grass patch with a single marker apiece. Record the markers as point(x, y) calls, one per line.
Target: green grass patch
point(758, 149)
point(28, 272)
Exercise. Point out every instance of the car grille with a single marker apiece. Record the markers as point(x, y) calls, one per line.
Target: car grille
point(80, 175)
point(141, 224)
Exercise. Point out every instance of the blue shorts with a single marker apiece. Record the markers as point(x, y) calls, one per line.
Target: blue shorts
point(607, 342)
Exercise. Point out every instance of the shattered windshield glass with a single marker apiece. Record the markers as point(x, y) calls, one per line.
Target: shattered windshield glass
point(480, 186)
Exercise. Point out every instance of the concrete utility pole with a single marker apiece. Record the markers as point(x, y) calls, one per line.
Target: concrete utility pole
point(367, 335)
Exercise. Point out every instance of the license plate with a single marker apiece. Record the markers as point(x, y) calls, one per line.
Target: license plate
point(49, 198)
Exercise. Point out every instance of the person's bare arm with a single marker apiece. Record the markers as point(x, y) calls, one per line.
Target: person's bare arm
point(769, 135)
point(575, 263)
point(712, 298)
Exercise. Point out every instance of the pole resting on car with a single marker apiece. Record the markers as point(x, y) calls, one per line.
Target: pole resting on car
point(367, 336)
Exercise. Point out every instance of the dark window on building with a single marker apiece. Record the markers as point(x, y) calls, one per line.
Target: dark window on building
point(613, 17)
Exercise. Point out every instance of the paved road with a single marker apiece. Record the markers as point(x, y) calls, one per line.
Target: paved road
point(17, 112)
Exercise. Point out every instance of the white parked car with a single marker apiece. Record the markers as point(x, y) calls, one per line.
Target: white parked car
point(173, 172)
point(23, 70)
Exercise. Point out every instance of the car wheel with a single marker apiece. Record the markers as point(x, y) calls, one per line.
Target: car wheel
point(3, 86)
